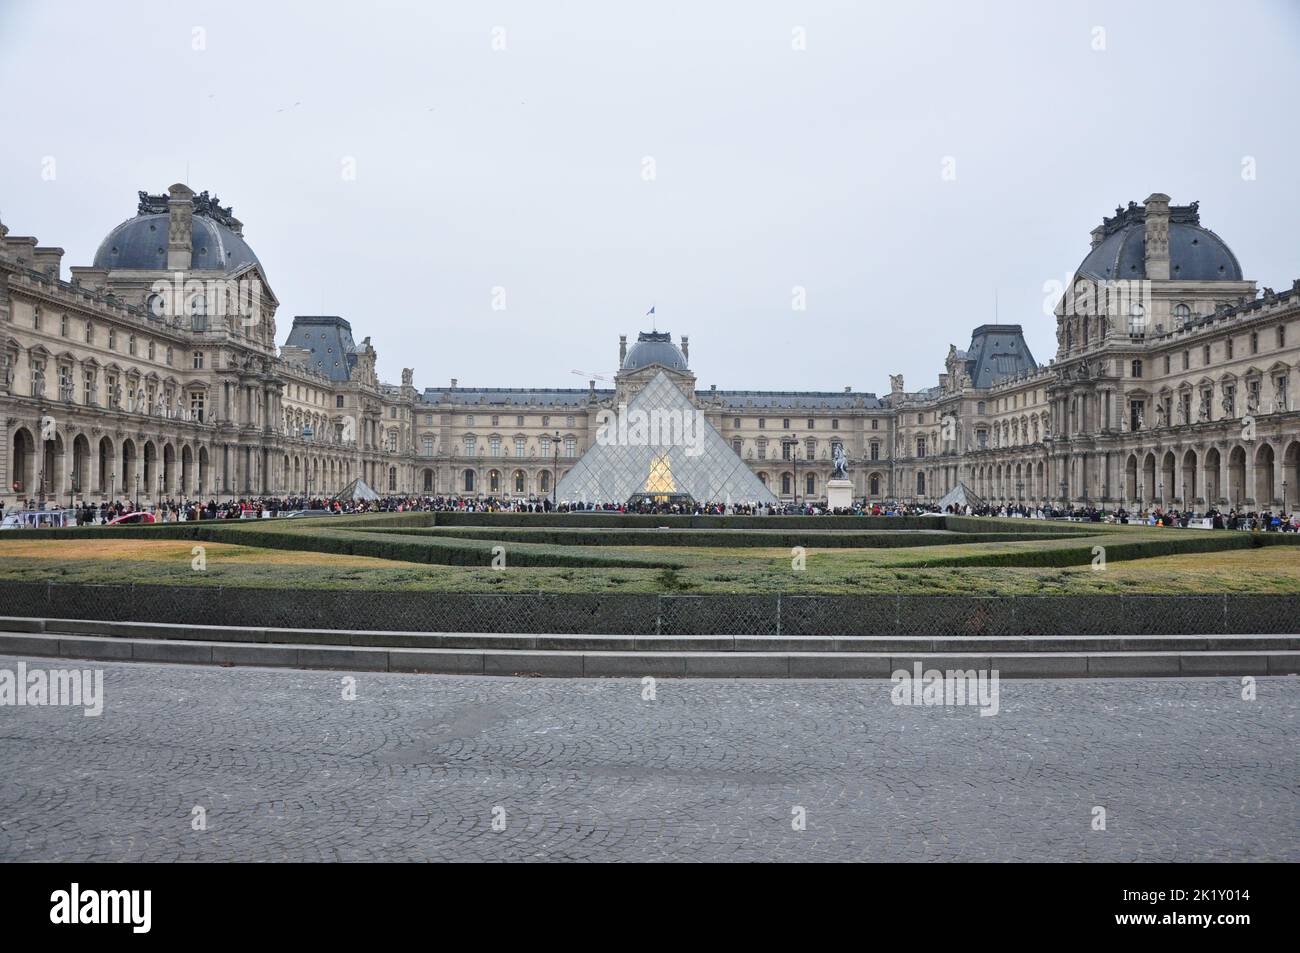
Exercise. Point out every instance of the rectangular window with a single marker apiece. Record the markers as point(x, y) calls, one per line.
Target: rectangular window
point(494, 446)
point(546, 446)
point(196, 405)
point(920, 447)
point(875, 424)
point(835, 423)
point(1205, 355)
point(198, 360)
point(1187, 360)
point(570, 446)
point(469, 445)
point(426, 444)
point(519, 446)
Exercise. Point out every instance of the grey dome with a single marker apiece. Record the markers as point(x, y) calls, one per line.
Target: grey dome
point(654, 347)
point(140, 244)
point(1195, 254)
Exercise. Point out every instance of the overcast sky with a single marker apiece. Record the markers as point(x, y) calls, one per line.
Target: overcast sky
point(529, 168)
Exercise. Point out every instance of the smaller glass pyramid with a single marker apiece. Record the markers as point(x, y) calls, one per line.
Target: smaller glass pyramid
point(660, 446)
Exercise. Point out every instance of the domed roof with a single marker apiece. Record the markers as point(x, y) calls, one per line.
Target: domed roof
point(140, 243)
point(1195, 253)
point(654, 347)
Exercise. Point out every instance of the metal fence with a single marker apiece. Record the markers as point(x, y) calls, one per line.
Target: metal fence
point(648, 614)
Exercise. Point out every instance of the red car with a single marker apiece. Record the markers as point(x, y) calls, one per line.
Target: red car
point(128, 518)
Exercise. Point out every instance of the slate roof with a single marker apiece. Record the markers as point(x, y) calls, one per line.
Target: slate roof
point(329, 339)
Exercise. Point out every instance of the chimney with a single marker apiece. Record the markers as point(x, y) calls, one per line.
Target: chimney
point(591, 386)
point(453, 383)
point(686, 347)
point(848, 390)
point(622, 349)
point(1098, 235)
point(180, 227)
point(47, 260)
point(1157, 236)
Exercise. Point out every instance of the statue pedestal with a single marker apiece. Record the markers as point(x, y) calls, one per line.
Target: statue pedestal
point(839, 494)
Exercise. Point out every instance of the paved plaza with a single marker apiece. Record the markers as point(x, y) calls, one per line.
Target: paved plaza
point(420, 767)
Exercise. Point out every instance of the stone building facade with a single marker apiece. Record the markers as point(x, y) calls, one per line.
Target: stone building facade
point(155, 372)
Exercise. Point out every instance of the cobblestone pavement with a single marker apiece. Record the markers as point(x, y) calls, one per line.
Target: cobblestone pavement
point(414, 767)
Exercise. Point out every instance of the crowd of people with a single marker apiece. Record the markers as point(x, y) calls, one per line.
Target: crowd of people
point(175, 510)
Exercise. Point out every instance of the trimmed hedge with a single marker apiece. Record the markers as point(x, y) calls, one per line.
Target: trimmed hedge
point(1119, 550)
point(735, 539)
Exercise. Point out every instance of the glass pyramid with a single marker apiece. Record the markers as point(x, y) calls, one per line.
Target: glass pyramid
point(660, 446)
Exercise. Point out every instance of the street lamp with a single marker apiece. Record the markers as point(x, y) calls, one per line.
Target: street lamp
point(1139, 499)
point(794, 455)
point(555, 474)
point(1284, 496)
point(1162, 494)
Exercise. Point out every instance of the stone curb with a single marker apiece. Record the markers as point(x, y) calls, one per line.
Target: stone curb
point(732, 664)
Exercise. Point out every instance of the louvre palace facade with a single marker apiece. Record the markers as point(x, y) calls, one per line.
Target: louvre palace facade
point(155, 372)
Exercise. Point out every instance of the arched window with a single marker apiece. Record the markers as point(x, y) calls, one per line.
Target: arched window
point(1137, 321)
point(1182, 314)
point(494, 481)
point(519, 481)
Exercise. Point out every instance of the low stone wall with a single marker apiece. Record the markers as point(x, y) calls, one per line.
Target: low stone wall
point(635, 614)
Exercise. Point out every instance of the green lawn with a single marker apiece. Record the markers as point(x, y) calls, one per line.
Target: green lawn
point(403, 552)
